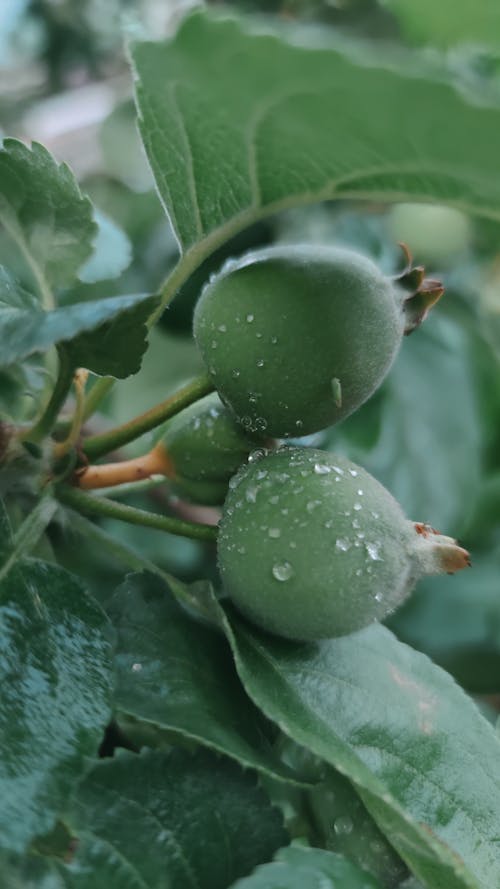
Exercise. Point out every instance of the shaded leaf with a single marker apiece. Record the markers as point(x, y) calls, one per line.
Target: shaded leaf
point(457, 623)
point(422, 757)
point(96, 330)
point(56, 680)
point(170, 819)
point(178, 675)
point(450, 22)
point(237, 125)
point(299, 867)
point(42, 208)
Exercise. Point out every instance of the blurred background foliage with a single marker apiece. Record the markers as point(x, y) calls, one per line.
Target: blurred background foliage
point(432, 433)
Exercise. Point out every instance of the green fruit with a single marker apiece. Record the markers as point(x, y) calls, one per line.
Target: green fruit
point(205, 447)
point(312, 546)
point(348, 828)
point(296, 338)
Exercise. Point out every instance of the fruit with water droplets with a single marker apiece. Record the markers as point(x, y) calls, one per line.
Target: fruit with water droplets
point(298, 337)
point(205, 447)
point(312, 546)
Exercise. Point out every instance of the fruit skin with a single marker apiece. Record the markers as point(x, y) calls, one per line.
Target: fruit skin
point(205, 447)
point(298, 337)
point(311, 546)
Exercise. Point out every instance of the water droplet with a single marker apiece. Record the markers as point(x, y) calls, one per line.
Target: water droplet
point(222, 328)
point(337, 392)
point(250, 318)
point(235, 374)
point(299, 424)
point(257, 455)
point(343, 825)
point(251, 494)
point(355, 523)
point(274, 340)
point(360, 492)
point(360, 535)
point(260, 362)
point(258, 335)
point(284, 511)
point(373, 551)
point(242, 550)
point(329, 524)
point(260, 424)
point(252, 397)
point(246, 422)
point(358, 572)
point(311, 504)
point(353, 472)
point(214, 344)
point(342, 544)
point(357, 507)
point(375, 515)
point(261, 474)
point(322, 469)
point(378, 597)
point(282, 571)
point(233, 482)
point(136, 668)
point(338, 470)
point(292, 544)
point(274, 533)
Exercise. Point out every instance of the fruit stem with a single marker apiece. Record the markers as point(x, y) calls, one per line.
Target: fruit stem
point(63, 447)
point(107, 475)
point(88, 504)
point(44, 425)
point(98, 445)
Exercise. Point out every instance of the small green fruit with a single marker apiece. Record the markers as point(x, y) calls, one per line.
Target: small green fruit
point(205, 447)
point(296, 338)
point(312, 546)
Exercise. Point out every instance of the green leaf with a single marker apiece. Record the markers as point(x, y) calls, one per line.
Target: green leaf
point(43, 210)
point(449, 22)
point(420, 754)
point(56, 681)
point(112, 252)
point(413, 412)
point(457, 623)
point(238, 125)
point(102, 349)
point(96, 330)
point(27, 535)
point(178, 674)
point(299, 867)
point(172, 819)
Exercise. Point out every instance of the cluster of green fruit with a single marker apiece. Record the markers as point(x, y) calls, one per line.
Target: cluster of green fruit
point(296, 339)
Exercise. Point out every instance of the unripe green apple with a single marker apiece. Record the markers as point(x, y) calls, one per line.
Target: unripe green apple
point(297, 337)
point(312, 546)
point(205, 446)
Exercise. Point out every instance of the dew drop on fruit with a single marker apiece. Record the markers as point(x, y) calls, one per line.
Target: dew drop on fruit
point(235, 374)
point(260, 362)
point(274, 533)
point(136, 668)
point(222, 328)
point(251, 495)
point(260, 424)
point(337, 392)
point(357, 507)
point(360, 492)
point(378, 597)
point(322, 469)
point(250, 318)
point(274, 340)
point(214, 344)
point(338, 470)
point(257, 455)
point(343, 825)
point(299, 424)
point(282, 571)
point(373, 551)
point(353, 472)
point(342, 544)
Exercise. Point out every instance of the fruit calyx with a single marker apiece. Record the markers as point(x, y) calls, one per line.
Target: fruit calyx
point(437, 554)
point(423, 293)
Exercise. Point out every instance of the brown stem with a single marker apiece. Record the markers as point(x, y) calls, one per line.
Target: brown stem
point(107, 475)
